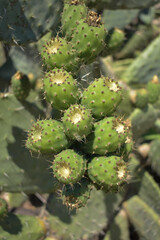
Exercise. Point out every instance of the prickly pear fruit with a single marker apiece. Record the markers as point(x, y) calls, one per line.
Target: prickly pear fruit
point(60, 88)
point(102, 97)
point(68, 166)
point(47, 136)
point(141, 98)
point(108, 173)
point(77, 121)
point(20, 85)
point(76, 196)
point(59, 53)
point(73, 11)
point(108, 136)
point(88, 39)
point(153, 89)
point(3, 208)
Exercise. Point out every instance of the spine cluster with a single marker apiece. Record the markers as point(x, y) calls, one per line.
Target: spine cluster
point(89, 145)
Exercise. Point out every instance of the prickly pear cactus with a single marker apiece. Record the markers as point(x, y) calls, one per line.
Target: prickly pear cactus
point(69, 167)
point(102, 97)
point(47, 136)
point(78, 122)
point(60, 89)
point(108, 173)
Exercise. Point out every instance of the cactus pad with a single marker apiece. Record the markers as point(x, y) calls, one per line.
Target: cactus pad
point(102, 97)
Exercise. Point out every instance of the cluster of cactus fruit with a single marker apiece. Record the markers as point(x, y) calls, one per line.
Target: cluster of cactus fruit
point(89, 145)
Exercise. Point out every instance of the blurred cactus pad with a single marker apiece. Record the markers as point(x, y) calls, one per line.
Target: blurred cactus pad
point(79, 120)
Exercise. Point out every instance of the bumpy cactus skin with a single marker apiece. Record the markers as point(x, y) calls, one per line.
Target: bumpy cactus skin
point(68, 166)
point(102, 97)
point(21, 86)
point(60, 88)
point(47, 136)
point(109, 134)
point(59, 53)
point(77, 121)
point(76, 196)
point(73, 11)
point(108, 173)
point(88, 39)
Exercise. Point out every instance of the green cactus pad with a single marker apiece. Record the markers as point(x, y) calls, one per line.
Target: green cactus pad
point(77, 121)
point(108, 136)
point(73, 11)
point(108, 173)
point(76, 196)
point(59, 53)
point(18, 227)
point(102, 97)
point(88, 39)
point(68, 166)
point(47, 136)
point(153, 89)
point(60, 88)
point(3, 208)
point(20, 85)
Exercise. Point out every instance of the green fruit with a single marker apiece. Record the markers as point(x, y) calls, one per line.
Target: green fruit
point(108, 136)
point(88, 39)
point(3, 208)
point(73, 11)
point(76, 196)
point(141, 98)
point(20, 85)
point(69, 167)
point(59, 53)
point(108, 173)
point(153, 89)
point(102, 97)
point(60, 88)
point(47, 136)
point(77, 121)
